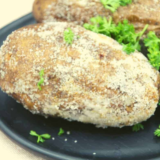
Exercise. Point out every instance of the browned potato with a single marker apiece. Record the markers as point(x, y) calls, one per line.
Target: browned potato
point(139, 13)
point(91, 80)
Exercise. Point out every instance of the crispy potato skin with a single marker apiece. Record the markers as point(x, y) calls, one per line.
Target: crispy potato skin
point(73, 12)
point(91, 81)
point(139, 13)
point(39, 7)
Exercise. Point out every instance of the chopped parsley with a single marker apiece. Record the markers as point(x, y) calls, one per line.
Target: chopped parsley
point(124, 32)
point(152, 42)
point(61, 131)
point(125, 2)
point(137, 127)
point(41, 81)
point(40, 138)
point(68, 36)
point(113, 5)
point(157, 132)
point(101, 25)
point(131, 40)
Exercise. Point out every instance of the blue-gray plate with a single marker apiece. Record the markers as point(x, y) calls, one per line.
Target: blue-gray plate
point(108, 144)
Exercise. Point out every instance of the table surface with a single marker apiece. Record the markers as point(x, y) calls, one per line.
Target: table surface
point(11, 10)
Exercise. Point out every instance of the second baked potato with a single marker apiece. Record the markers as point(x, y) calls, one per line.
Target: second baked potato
point(139, 12)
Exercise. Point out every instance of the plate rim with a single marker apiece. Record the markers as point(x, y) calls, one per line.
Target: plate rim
point(31, 146)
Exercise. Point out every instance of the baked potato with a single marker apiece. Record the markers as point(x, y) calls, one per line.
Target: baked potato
point(139, 12)
point(90, 80)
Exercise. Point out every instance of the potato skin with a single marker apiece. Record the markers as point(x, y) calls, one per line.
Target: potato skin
point(139, 13)
point(39, 7)
point(91, 81)
point(70, 11)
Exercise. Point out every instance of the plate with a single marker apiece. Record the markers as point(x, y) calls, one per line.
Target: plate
point(108, 144)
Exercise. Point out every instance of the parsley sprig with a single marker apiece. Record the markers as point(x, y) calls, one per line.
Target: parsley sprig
point(113, 5)
point(157, 132)
point(61, 131)
point(124, 32)
point(137, 127)
point(101, 25)
point(41, 81)
point(40, 138)
point(125, 2)
point(152, 42)
point(68, 36)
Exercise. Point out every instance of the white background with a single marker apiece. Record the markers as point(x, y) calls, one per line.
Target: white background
point(11, 10)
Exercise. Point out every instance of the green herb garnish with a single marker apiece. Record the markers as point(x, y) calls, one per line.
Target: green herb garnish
point(157, 132)
point(124, 32)
point(125, 2)
point(101, 25)
point(137, 127)
point(41, 81)
point(68, 36)
point(131, 40)
point(61, 131)
point(40, 137)
point(152, 42)
point(113, 5)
